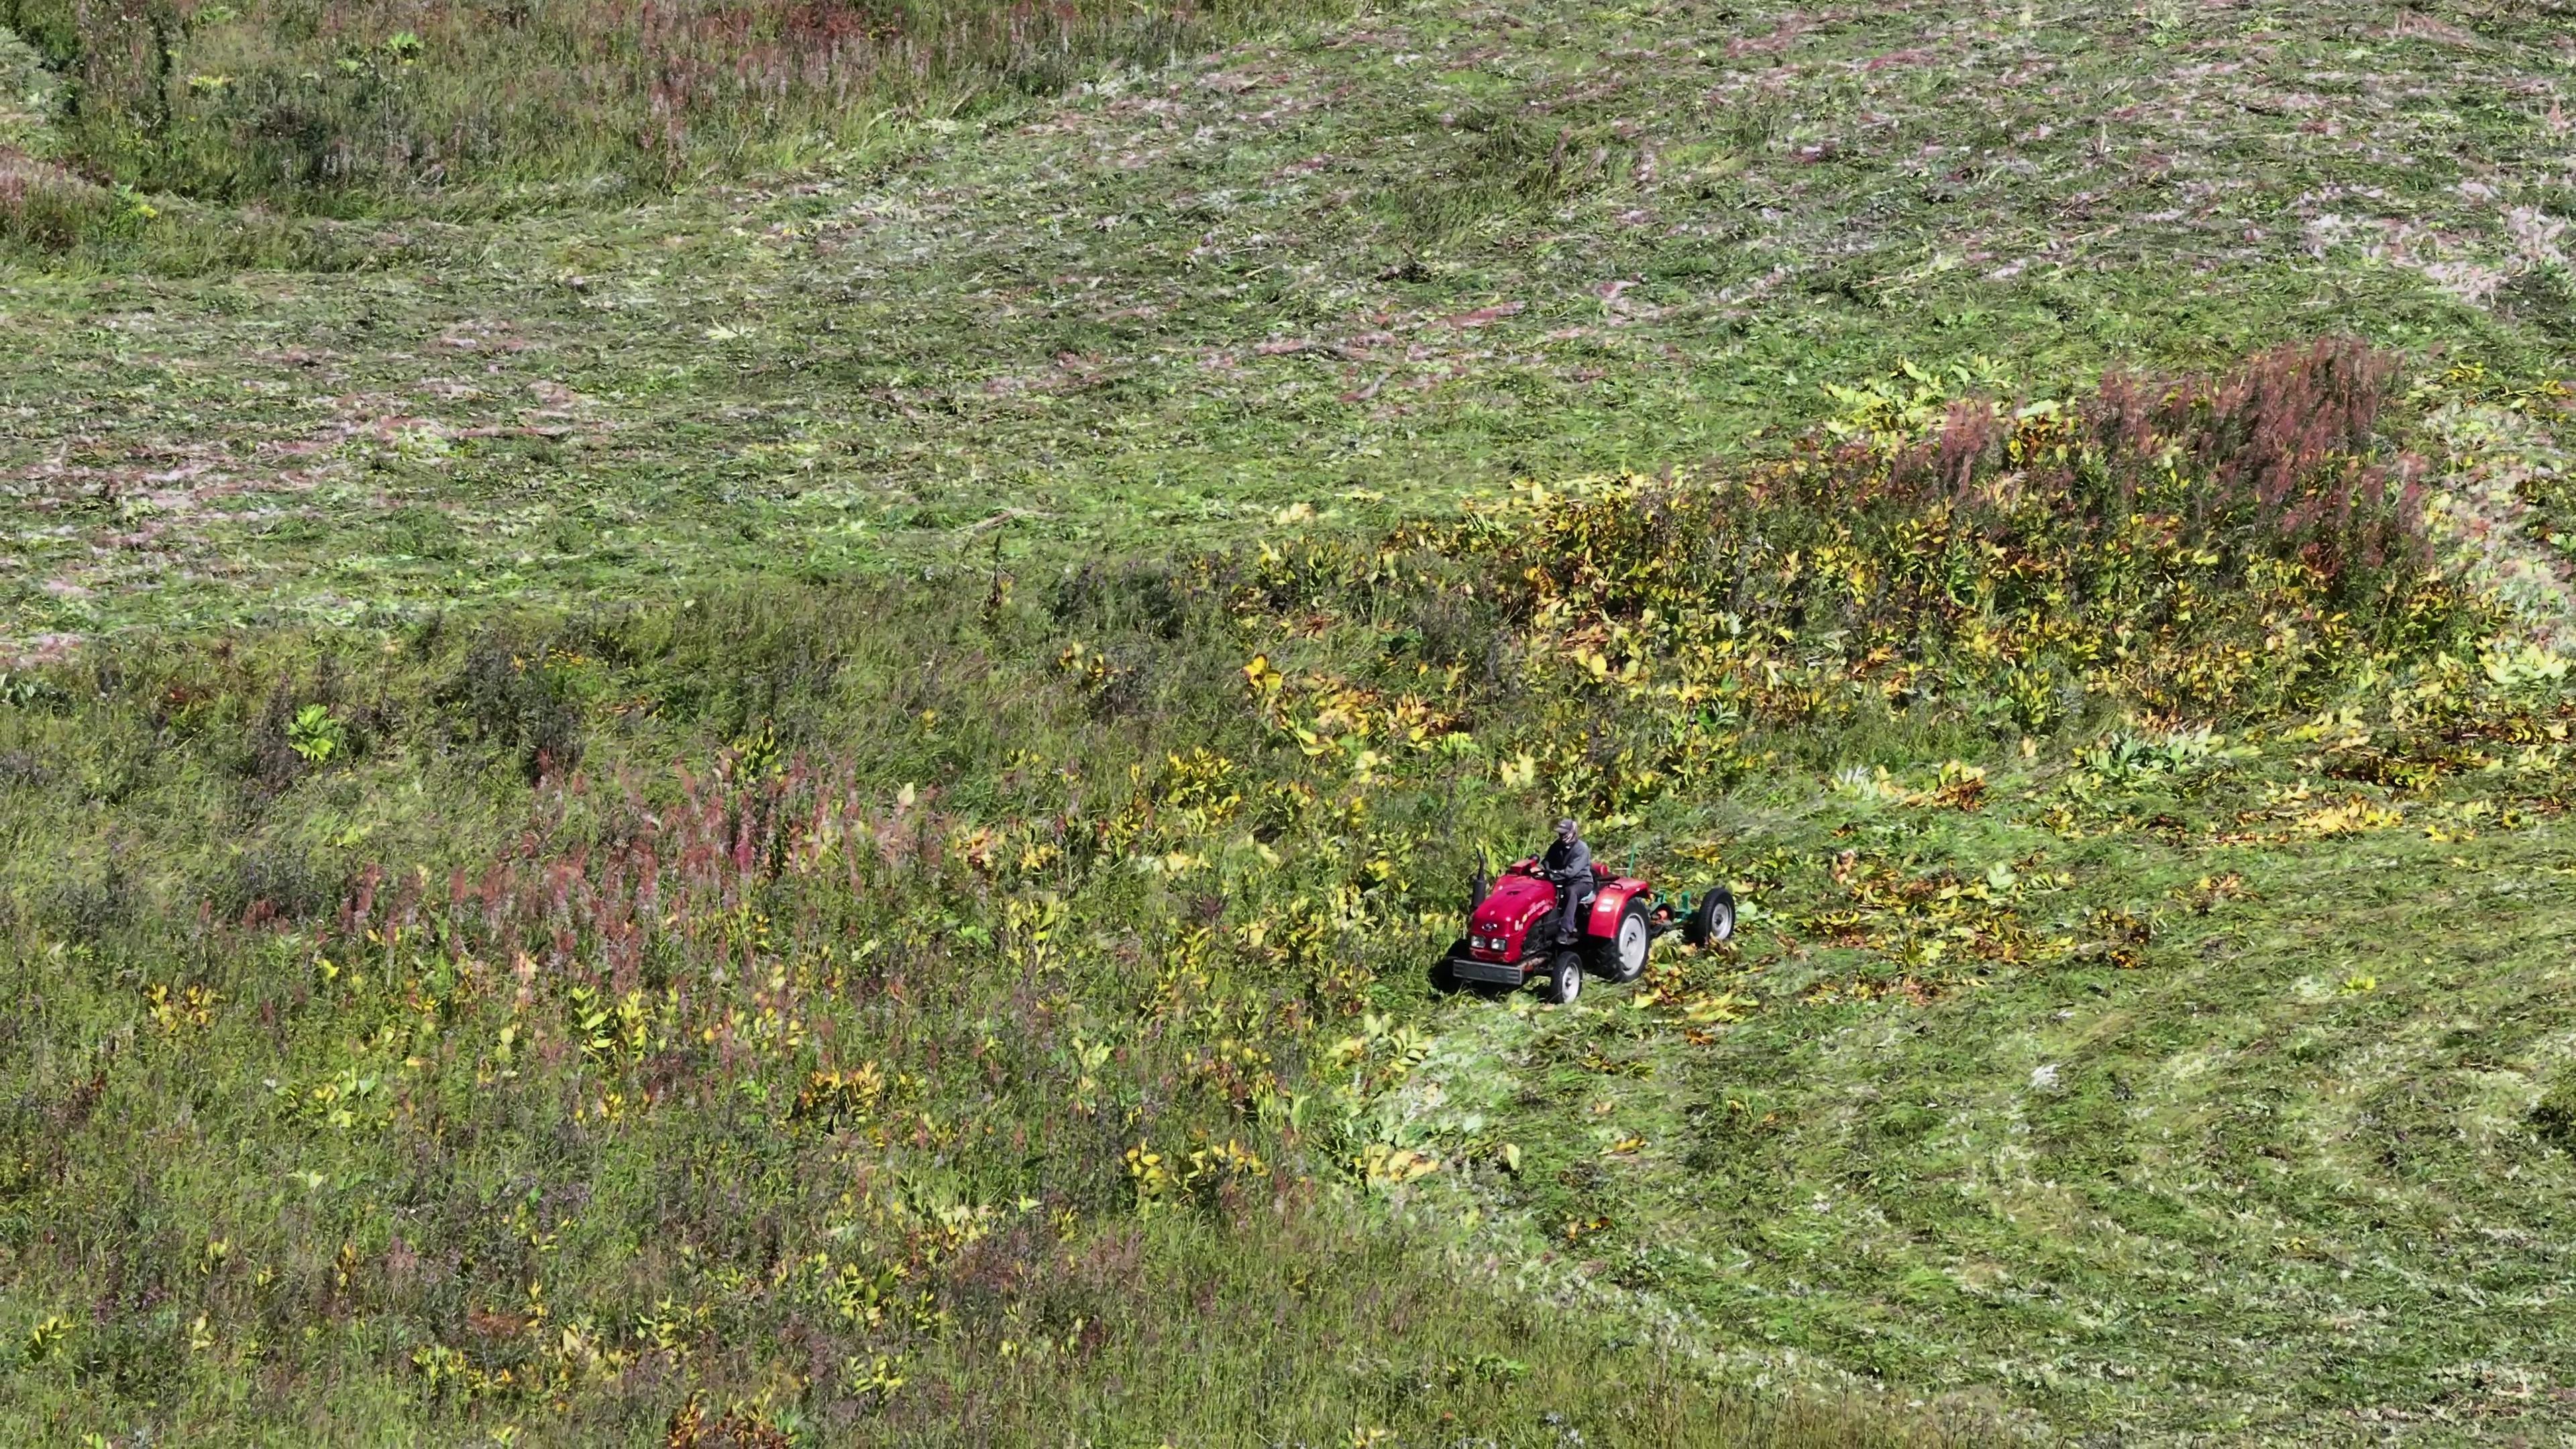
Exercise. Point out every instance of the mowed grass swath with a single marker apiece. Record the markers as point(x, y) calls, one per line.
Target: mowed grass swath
point(1174, 303)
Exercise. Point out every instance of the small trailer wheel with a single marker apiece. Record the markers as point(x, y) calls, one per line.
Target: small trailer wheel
point(1712, 920)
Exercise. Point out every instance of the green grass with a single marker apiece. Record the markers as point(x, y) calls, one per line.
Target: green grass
point(868, 524)
point(534, 1029)
point(1171, 305)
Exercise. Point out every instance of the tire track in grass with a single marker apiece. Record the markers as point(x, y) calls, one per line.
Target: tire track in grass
point(1483, 1082)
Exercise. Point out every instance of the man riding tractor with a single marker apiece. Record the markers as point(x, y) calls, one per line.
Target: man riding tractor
point(1553, 917)
point(1568, 865)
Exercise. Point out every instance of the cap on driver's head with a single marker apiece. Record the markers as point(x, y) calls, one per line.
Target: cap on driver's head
point(1565, 826)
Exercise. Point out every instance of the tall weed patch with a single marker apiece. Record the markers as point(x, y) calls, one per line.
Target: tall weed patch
point(328, 106)
point(2193, 549)
point(814, 1016)
point(45, 208)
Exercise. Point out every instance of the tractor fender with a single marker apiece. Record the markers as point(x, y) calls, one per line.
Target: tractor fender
point(1611, 899)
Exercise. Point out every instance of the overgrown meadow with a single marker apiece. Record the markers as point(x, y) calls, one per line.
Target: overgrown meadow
point(800, 1016)
point(340, 108)
point(873, 1012)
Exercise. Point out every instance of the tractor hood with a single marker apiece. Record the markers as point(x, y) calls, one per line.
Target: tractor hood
point(1514, 902)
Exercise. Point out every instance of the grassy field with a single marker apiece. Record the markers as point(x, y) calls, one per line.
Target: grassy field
point(747, 726)
point(1359, 270)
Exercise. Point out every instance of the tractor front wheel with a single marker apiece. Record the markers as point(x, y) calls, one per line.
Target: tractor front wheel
point(1565, 978)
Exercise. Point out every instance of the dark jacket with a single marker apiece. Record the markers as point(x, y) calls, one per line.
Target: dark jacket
point(1570, 865)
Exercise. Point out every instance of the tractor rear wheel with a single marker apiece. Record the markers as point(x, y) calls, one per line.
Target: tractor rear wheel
point(1565, 978)
point(1621, 956)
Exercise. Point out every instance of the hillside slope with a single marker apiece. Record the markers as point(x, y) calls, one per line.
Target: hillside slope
point(811, 809)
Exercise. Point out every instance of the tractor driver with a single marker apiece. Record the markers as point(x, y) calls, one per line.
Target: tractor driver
point(1569, 863)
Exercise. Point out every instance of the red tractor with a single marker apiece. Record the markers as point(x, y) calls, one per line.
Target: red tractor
point(1511, 931)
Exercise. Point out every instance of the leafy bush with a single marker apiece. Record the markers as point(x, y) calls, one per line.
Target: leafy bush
point(314, 735)
point(2189, 550)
